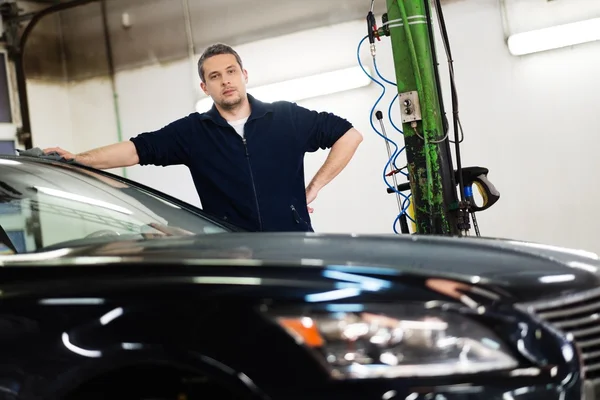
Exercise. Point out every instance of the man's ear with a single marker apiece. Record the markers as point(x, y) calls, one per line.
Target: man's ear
point(203, 87)
point(245, 75)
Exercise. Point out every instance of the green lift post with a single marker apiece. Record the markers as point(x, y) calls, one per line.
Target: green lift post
point(430, 169)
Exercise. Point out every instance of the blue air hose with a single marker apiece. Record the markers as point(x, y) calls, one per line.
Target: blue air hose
point(397, 152)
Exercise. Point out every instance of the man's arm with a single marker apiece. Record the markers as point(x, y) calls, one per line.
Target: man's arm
point(339, 156)
point(122, 154)
point(166, 146)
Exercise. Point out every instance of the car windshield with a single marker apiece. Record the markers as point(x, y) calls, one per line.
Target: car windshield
point(45, 204)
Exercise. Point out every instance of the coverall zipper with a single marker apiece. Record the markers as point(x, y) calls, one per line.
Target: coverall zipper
point(297, 216)
point(253, 185)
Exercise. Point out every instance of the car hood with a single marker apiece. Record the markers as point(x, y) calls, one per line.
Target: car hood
point(524, 269)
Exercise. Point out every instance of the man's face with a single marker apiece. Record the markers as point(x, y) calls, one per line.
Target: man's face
point(225, 80)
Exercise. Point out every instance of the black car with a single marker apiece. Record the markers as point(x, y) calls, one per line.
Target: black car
point(174, 305)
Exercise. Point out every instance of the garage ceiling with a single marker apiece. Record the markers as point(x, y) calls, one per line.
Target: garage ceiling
point(70, 45)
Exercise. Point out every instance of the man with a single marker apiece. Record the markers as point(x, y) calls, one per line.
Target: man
point(246, 157)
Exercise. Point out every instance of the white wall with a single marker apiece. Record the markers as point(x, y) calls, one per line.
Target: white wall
point(149, 99)
point(50, 114)
point(531, 120)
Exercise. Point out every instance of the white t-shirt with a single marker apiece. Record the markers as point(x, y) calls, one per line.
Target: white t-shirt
point(238, 125)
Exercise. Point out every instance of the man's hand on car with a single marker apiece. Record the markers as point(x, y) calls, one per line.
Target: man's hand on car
point(61, 152)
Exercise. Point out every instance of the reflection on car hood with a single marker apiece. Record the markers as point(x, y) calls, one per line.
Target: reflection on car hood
point(510, 264)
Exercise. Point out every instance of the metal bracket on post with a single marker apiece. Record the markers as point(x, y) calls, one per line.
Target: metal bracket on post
point(410, 107)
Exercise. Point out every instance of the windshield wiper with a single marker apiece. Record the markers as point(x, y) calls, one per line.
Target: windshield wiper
point(6, 240)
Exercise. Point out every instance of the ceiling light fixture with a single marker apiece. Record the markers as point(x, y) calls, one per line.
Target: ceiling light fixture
point(554, 37)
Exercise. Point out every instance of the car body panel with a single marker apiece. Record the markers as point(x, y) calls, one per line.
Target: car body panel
point(74, 324)
point(525, 270)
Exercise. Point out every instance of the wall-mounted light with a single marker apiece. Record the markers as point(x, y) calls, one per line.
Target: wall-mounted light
point(304, 88)
point(554, 37)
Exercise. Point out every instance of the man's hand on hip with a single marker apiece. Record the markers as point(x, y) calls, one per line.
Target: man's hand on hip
point(339, 156)
point(311, 195)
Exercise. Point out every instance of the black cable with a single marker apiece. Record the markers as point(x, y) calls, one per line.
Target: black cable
point(446, 141)
point(455, 117)
point(435, 69)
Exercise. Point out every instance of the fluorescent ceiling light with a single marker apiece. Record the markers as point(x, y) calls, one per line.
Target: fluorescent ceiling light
point(305, 87)
point(554, 37)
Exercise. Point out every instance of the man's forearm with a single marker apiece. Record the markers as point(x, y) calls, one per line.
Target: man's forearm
point(122, 154)
point(339, 156)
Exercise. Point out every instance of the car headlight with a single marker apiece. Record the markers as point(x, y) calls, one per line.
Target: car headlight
point(408, 341)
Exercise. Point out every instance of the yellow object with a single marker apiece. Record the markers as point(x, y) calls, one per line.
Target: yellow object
point(411, 213)
point(482, 192)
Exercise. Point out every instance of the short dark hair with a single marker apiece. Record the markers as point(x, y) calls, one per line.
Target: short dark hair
point(214, 50)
